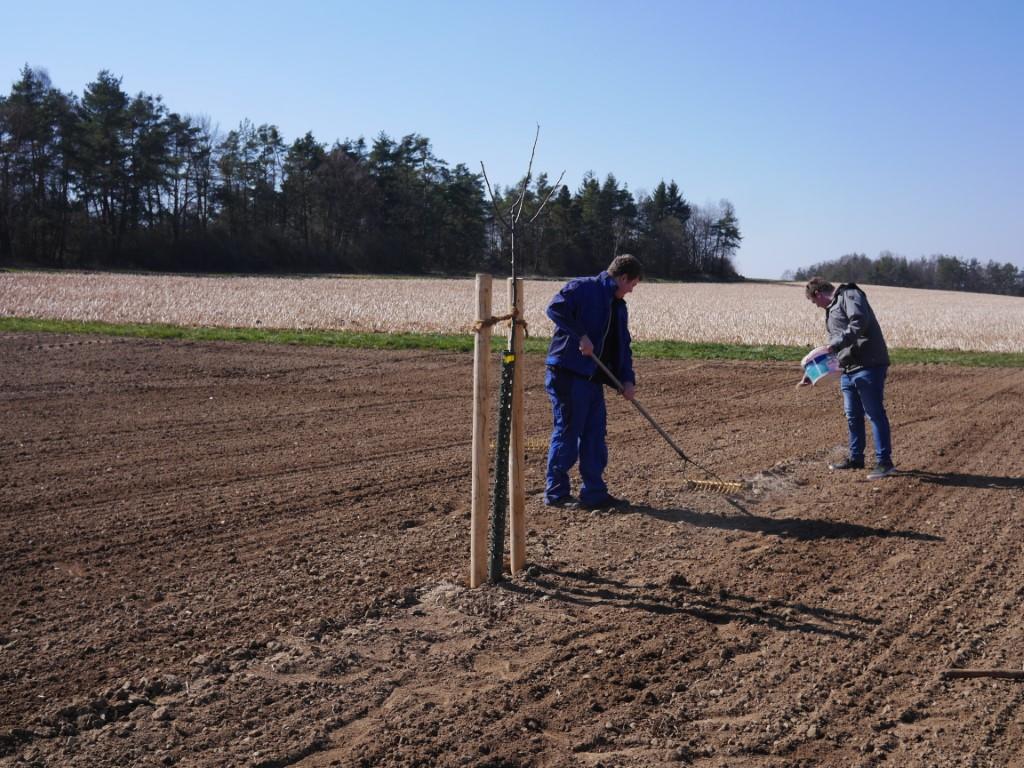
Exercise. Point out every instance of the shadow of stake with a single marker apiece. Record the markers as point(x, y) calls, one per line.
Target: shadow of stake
point(587, 589)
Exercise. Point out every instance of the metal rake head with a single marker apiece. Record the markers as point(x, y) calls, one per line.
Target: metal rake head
point(723, 487)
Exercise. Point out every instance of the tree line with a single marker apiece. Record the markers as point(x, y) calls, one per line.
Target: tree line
point(947, 273)
point(110, 180)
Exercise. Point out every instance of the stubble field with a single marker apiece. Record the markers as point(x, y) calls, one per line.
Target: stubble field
point(750, 313)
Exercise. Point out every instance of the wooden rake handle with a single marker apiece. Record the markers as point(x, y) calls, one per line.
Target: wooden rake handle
point(643, 411)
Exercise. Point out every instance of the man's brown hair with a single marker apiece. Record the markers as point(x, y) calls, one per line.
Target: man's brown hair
point(627, 265)
point(818, 285)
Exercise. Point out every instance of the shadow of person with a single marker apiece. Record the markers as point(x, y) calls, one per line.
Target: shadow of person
point(587, 589)
point(798, 528)
point(963, 480)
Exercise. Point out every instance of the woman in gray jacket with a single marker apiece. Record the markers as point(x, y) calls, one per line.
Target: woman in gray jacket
point(857, 341)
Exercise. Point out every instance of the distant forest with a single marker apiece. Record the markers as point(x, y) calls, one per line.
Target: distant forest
point(109, 180)
point(946, 273)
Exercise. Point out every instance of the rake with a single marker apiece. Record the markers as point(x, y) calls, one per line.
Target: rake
point(713, 485)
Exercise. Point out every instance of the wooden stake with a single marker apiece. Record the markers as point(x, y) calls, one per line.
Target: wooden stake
point(1005, 674)
point(480, 475)
point(516, 483)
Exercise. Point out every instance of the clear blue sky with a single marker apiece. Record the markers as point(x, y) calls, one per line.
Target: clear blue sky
point(833, 127)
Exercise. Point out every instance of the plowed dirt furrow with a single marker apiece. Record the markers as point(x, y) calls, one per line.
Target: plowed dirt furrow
point(188, 473)
point(174, 513)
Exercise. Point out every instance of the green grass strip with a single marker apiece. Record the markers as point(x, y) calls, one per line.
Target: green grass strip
point(681, 350)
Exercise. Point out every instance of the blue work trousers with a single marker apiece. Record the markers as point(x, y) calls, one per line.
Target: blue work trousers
point(580, 424)
point(863, 394)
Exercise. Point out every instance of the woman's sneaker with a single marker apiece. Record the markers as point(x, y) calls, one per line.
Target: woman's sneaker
point(882, 470)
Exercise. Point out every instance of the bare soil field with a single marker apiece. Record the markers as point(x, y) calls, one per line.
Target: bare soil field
point(245, 555)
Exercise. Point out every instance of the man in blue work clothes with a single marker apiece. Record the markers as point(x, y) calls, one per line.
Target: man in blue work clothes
point(590, 320)
point(857, 341)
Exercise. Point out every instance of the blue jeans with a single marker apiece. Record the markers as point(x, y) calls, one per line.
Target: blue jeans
point(863, 394)
point(580, 422)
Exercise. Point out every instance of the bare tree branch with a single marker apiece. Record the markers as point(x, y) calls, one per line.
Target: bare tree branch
point(551, 191)
point(526, 179)
point(515, 211)
point(494, 201)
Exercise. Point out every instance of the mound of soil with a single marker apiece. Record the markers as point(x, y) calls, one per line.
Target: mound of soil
point(242, 555)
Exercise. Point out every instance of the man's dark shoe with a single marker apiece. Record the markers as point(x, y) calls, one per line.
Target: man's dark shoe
point(847, 463)
point(562, 502)
point(608, 502)
point(881, 471)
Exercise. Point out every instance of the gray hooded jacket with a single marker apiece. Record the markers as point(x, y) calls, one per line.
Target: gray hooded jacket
point(853, 332)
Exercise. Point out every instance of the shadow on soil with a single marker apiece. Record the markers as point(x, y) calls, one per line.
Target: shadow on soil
point(679, 598)
point(961, 480)
point(798, 528)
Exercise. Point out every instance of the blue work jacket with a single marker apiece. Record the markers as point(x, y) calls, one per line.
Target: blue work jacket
point(584, 307)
